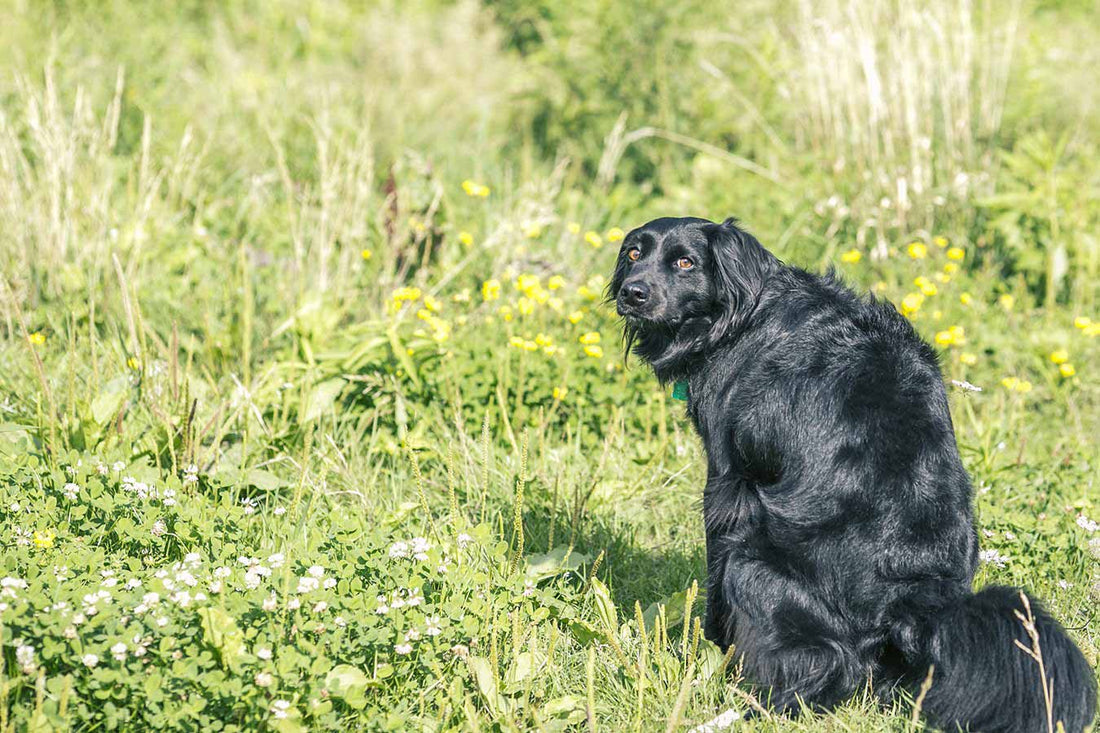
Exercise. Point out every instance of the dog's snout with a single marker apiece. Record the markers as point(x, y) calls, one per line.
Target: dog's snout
point(636, 293)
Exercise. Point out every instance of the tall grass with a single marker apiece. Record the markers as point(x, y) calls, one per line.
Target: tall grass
point(902, 101)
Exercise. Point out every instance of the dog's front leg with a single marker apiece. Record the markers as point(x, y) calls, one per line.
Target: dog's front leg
point(719, 510)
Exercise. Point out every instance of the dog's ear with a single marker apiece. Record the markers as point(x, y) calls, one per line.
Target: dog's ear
point(740, 266)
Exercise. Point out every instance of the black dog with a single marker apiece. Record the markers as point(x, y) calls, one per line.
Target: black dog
point(840, 537)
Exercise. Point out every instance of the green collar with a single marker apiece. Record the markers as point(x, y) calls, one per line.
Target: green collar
point(680, 390)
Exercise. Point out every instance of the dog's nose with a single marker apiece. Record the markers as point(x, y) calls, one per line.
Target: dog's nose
point(636, 293)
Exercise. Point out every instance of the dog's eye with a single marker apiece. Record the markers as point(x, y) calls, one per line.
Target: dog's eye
point(685, 263)
point(633, 254)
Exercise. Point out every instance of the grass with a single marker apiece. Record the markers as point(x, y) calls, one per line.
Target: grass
point(366, 433)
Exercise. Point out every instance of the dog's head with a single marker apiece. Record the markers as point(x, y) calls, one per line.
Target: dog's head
point(683, 285)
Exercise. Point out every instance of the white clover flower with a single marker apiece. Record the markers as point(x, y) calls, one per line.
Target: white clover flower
point(403, 648)
point(187, 579)
point(277, 560)
point(169, 497)
point(433, 626)
point(383, 607)
point(414, 599)
point(71, 490)
point(264, 679)
point(24, 657)
point(399, 550)
point(15, 507)
point(118, 466)
point(133, 583)
point(90, 660)
point(181, 598)
point(245, 560)
point(215, 586)
point(200, 597)
point(442, 568)
point(270, 603)
point(192, 558)
point(118, 651)
point(420, 547)
point(294, 604)
point(162, 621)
point(329, 583)
point(252, 579)
point(307, 584)
point(1064, 585)
point(528, 589)
point(464, 539)
point(79, 619)
point(280, 511)
point(316, 571)
point(139, 650)
point(159, 528)
point(320, 607)
point(263, 653)
point(1087, 524)
point(222, 572)
point(412, 635)
point(719, 723)
point(993, 558)
point(279, 708)
point(151, 599)
point(69, 632)
point(340, 621)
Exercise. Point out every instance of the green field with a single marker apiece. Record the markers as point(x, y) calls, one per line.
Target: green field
point(313, 415)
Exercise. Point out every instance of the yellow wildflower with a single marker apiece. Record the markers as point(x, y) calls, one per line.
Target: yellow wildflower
point(966, 298)
point(573, 228)
point(1007, 301)
point(1059, 356)
point(851, 257)
point(1093, 329)
point(526, 306)
point(532, 230)
point(953, 336)
point(594, 351)
point(967, 358)
point(944, 338)
point(926, 286)
point(939, 241)
point(615, 234)
point(37, 338)
point(592, 337)
point(1066, 370)
point(950, 268)
point(593, 238)
point(44, 539)
point(490, 289)
point(942, 277)
point(879, 287)
point(525, 282)
point(462, 296)
point(1082, 322)
point(516, 341)
point(917, 250)
point(1023, 386)
point(404, 294)
point(543, 339)
point(575, 317)
point(911, 303)
point(366, 254)
point(956, 253)
point(555, 303)
point(134, 363)
point(556, 282)
point(1010, 383)
point(432, 304)
point(505, 312)
point(465, 238)
point(559, 393)
point(475, 189)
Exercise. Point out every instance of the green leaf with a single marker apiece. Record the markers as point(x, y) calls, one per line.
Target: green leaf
point(605, 607)
point(110, 400)
point(322, 397)
point(220, 631)
point(349, 684)
point(555, 562)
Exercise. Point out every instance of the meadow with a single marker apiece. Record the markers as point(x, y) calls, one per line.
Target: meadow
point(312, 411)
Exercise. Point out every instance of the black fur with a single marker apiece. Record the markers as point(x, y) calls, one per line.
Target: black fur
point(840, 537)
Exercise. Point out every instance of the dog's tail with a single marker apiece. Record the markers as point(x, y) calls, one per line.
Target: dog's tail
point(993, 653)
